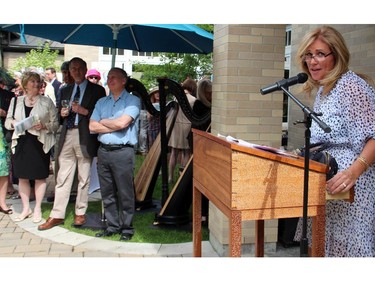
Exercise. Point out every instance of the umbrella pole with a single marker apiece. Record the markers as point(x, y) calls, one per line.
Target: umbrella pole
point(114, 49)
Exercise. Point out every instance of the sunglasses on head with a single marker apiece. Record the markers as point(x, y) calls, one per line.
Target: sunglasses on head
point(93, 77)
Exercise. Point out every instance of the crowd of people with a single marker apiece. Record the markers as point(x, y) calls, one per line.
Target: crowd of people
point(71, 123)
point(109, 126)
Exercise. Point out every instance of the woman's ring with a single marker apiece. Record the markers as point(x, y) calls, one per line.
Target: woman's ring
point(344, 185)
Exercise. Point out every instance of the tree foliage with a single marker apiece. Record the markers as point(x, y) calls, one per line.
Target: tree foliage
point(176, 66)
point(41, 57)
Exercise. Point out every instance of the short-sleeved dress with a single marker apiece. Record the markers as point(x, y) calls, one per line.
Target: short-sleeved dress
point(349, 110)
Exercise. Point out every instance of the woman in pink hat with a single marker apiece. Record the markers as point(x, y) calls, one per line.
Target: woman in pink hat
point(93, 76)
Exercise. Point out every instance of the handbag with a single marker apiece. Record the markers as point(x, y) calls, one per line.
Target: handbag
point(319, 153)
point(9, 133)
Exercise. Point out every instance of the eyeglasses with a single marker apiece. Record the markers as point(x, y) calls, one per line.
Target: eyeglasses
point(319, 57)
point(93, 77)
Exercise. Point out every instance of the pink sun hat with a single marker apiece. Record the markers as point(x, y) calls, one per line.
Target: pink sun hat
point(93, 72)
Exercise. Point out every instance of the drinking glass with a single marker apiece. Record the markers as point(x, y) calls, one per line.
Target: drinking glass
point(65, 104)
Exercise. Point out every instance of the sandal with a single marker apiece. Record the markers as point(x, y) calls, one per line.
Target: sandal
point(7, 212)
point(17, 196)
point(10, 194)
point(22, 218)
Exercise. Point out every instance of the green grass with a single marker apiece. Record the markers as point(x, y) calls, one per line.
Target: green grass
point(145, 230)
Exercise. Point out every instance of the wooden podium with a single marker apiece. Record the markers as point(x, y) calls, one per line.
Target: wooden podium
point(253, 184)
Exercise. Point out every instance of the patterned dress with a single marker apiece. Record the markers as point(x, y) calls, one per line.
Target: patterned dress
point(4, 155)
point(349, 109)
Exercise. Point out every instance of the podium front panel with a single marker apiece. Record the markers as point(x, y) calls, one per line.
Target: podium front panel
point(243, 178)
point(261, 183)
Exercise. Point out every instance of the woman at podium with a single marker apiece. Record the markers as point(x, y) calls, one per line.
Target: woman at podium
point(347, 101)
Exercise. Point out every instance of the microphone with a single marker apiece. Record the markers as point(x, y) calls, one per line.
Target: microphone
point(300, 78)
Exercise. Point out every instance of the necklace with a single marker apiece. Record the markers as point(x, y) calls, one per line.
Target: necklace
point(31, 101)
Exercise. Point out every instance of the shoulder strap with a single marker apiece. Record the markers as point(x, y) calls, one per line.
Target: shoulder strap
point(14, 106)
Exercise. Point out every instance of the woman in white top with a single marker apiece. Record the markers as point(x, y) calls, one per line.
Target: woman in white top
point(31, 146)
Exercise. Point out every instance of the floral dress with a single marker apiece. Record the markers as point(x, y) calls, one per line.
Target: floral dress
point(4, 155)
point(349, 110)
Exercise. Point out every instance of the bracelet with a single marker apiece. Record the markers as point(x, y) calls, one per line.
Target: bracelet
point(363, 162)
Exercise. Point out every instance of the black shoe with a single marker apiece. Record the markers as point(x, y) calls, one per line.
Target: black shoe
point(105, 233)
point(126, 237)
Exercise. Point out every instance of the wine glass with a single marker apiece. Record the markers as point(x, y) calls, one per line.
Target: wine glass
point(65, 104)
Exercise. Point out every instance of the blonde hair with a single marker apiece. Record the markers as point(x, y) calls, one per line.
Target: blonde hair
point(27, 76)
point(339, 50)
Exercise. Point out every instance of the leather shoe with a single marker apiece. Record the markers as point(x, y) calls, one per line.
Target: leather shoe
point(126, 237)
point(79, 220)
point(51, 222)
point(105, 233)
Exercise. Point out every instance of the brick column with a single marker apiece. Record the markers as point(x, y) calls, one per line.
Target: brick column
point(246, 58)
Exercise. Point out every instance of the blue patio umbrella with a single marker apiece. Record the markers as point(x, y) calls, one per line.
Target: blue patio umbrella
point(169, 38)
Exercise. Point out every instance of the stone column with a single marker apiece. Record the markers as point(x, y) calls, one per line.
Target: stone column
point(246, 58)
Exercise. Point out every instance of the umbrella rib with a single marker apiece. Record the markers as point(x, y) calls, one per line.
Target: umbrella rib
point(186, 40)
point(72, 33)
point(134, 39)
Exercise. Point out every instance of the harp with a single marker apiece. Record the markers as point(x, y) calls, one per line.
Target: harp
point(145, 179)
point(176, 206)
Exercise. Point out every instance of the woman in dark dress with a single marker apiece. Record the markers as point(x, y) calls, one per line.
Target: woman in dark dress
point(31, 145)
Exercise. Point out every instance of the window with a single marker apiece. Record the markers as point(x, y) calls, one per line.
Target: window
point(288, 38)
point(108, 51)
point(142, 54)
point(285, 99)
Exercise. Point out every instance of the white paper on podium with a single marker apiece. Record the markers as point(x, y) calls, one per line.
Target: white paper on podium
point(94, 179)
point(257, 146)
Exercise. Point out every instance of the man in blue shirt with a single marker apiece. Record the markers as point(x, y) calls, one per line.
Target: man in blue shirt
point(115, 119)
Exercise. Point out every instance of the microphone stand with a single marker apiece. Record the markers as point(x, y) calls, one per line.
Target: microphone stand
point(308, 117)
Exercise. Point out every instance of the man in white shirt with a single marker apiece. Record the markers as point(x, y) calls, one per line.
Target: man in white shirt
point(50, 75)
